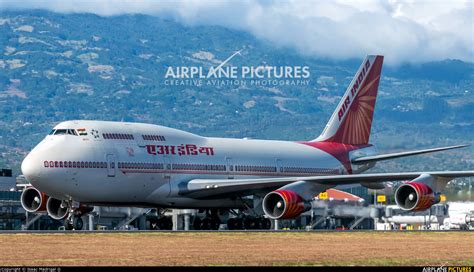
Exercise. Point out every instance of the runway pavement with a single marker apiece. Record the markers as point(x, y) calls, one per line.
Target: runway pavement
point(211, 231)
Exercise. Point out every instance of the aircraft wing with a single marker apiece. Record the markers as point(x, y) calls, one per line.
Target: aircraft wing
point(214, 188)
point(403, 154)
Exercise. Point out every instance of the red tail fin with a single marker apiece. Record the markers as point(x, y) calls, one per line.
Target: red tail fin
point(352, 121)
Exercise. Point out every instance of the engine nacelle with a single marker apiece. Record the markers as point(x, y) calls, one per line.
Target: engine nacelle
point(284, 204)
point(415, 196)
point(57, 209)
point(33, 200)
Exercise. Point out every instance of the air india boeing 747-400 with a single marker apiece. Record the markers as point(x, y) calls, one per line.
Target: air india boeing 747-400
point(85, 163)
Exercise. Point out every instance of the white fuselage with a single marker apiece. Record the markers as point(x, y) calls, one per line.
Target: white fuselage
point(143, 164)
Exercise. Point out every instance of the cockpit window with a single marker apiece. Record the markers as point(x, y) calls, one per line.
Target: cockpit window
point(60, 132)
point(63, 132)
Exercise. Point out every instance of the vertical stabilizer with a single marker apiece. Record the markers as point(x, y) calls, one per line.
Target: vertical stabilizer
point(352, 121)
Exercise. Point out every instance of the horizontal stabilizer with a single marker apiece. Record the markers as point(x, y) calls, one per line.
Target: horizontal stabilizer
point(402, 154)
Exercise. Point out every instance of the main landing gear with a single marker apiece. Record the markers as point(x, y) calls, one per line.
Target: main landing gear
point(247, 219)
point(248, 223)
point(240, 221)
point(210, 222)
point(161, 223)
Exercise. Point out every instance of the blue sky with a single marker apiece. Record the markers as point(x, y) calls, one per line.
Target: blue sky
point(403, 31)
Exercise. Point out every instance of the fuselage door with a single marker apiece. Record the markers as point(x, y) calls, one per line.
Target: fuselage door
point(279, 166)
point(138, 137)
point(168, 168)
point(111, 165)
point(230, 168)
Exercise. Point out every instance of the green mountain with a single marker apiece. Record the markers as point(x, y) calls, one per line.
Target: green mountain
point(56, 67)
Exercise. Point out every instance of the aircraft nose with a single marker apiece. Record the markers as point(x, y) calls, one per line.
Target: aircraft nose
point(31, 167)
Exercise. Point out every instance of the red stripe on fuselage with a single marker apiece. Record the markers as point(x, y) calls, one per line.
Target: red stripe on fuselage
point(337, 150)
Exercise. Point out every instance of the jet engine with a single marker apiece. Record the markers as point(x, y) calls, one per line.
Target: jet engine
point(57, 209)
point(284, 204)
point(33, 200)
point(415, 196)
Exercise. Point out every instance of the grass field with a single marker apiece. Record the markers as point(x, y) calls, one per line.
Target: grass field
point(243, 248)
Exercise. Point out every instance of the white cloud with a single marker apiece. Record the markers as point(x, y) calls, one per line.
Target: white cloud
point(407, 30)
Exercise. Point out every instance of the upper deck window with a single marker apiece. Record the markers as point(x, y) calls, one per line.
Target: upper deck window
point(153, 138)
point(117, 136)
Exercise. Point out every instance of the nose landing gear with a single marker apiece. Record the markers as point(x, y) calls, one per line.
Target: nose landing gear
point(76, 224)
point(73, 220)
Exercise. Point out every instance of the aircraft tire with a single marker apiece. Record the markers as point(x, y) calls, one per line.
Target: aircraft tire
point(77, 223)
point(206, 224)
point(197, 223)
point(232, 224)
